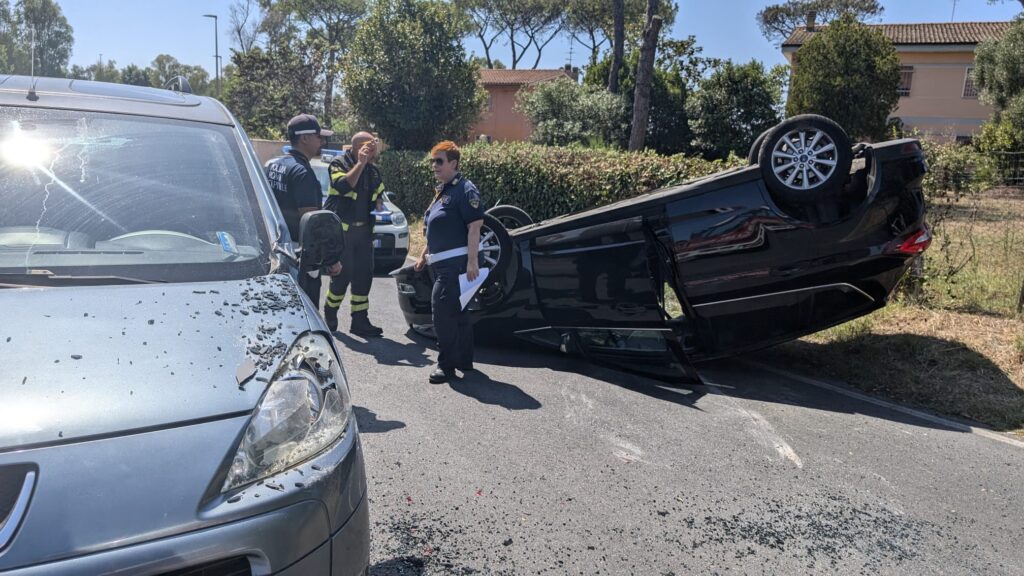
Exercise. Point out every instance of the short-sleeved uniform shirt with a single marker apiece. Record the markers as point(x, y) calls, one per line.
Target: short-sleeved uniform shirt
point(295, 186)
point(456, 206)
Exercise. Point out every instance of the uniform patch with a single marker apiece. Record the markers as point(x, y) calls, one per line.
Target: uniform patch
point(445, 200)
point(474, 202)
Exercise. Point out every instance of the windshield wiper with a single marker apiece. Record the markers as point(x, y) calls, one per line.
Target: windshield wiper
point(46, 278)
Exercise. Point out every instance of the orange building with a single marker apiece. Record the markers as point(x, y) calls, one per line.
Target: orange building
point(500, 120)
point(937, 91)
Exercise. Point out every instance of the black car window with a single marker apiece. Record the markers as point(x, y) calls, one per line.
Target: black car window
point(107, 194)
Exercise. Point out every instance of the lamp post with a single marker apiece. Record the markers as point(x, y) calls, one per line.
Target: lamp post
point(216, 49)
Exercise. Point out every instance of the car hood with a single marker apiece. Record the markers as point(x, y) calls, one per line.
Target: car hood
point(91, 361)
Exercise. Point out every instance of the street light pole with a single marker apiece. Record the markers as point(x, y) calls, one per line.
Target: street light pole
point(216, 49)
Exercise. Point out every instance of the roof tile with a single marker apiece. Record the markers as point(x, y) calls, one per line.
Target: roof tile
point(924, 33)
point(493, 77)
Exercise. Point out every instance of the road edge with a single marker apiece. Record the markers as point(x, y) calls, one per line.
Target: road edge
point(926, 416)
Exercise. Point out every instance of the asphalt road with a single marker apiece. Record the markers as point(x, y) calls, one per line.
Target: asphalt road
point(543, 464)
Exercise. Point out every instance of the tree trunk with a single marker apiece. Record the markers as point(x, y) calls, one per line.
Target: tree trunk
point(512, 43)
point(487, 50)
point(644, 76)
point(619, 17)
point(329, 97)
point(330, 77)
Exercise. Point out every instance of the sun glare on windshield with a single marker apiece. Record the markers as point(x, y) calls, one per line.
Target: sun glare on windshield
point(24, 150)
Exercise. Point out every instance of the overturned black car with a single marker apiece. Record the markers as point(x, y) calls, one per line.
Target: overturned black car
point(811, 234)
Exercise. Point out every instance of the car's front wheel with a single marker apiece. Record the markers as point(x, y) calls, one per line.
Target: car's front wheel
point(496, 254)
point(511, 217)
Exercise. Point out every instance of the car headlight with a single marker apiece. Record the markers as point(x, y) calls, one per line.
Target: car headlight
point(398, 219)
point(305, 410)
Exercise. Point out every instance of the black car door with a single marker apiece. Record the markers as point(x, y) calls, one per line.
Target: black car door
point(601, 287)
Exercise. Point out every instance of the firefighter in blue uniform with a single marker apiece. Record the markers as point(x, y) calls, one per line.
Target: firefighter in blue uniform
point(356, 186)
point(297, 189)
point(453, 223)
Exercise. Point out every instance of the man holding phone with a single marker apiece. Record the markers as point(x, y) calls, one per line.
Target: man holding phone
point(356, 187)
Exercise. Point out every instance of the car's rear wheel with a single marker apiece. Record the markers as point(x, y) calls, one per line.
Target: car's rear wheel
point(804, 157)
point(511, 217)
point(755, 148)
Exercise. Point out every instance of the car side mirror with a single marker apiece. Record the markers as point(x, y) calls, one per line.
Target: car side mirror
point(321, 239)
point(391, 196)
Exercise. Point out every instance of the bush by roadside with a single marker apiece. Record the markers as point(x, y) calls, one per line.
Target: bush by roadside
point(546, 181)
point(956, 176)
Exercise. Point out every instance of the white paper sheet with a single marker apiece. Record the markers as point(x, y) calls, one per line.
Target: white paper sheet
point(467, 289)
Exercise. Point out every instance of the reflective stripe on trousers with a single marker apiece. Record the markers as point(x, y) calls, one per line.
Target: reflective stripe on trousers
point(356, 269)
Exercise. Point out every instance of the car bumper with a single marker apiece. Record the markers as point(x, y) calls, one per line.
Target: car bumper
point(390, 243)
point(317, 524)
point(260, 540)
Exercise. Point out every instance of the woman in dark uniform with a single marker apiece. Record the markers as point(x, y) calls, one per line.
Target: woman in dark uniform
point(453, 223)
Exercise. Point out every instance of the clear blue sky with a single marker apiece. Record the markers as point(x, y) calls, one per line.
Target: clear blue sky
point(129, 31)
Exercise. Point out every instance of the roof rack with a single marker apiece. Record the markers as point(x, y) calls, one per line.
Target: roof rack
point(179, 84)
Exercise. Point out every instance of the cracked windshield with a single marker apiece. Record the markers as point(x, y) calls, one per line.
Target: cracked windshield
point(90, 194)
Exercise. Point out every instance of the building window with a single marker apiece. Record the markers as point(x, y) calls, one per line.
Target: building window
point(970, 90)
point(906, 77)
point(490, 102)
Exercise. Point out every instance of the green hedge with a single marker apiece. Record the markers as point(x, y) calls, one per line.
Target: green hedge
point(545, 181)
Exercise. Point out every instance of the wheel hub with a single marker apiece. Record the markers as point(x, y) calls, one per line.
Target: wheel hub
point(804, 158)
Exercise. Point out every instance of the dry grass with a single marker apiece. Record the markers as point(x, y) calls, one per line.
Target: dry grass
point(955, 363)
point(417, 239)
point(984, 237)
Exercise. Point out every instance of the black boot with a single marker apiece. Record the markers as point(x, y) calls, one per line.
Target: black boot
point(361, 327)
point(439, 376)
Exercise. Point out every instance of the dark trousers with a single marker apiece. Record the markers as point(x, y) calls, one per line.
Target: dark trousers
point(311, 286)
point(356, 269)
point(452, 325)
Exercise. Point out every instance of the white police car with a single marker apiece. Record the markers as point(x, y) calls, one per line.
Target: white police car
point(391, 229)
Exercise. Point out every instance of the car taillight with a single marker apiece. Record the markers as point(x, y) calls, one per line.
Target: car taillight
point(917, 243)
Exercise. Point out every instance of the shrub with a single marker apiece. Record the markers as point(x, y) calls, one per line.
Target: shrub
point(849, 73)
point(668, 129)
point(407, 73)
point(564, 112)
point(954, 171)
point(545, 181)
point(1000, 136)
point(956, 175)
point(733, 106)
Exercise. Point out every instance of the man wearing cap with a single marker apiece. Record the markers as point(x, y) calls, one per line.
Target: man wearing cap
point(356, 187)
point(297, 189)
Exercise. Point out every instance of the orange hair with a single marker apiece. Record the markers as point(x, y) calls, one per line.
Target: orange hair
point(450, 149)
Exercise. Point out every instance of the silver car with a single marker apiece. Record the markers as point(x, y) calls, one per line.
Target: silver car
point(170, 402)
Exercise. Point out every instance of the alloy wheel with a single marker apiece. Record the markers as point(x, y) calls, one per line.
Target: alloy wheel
point(804, 158)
